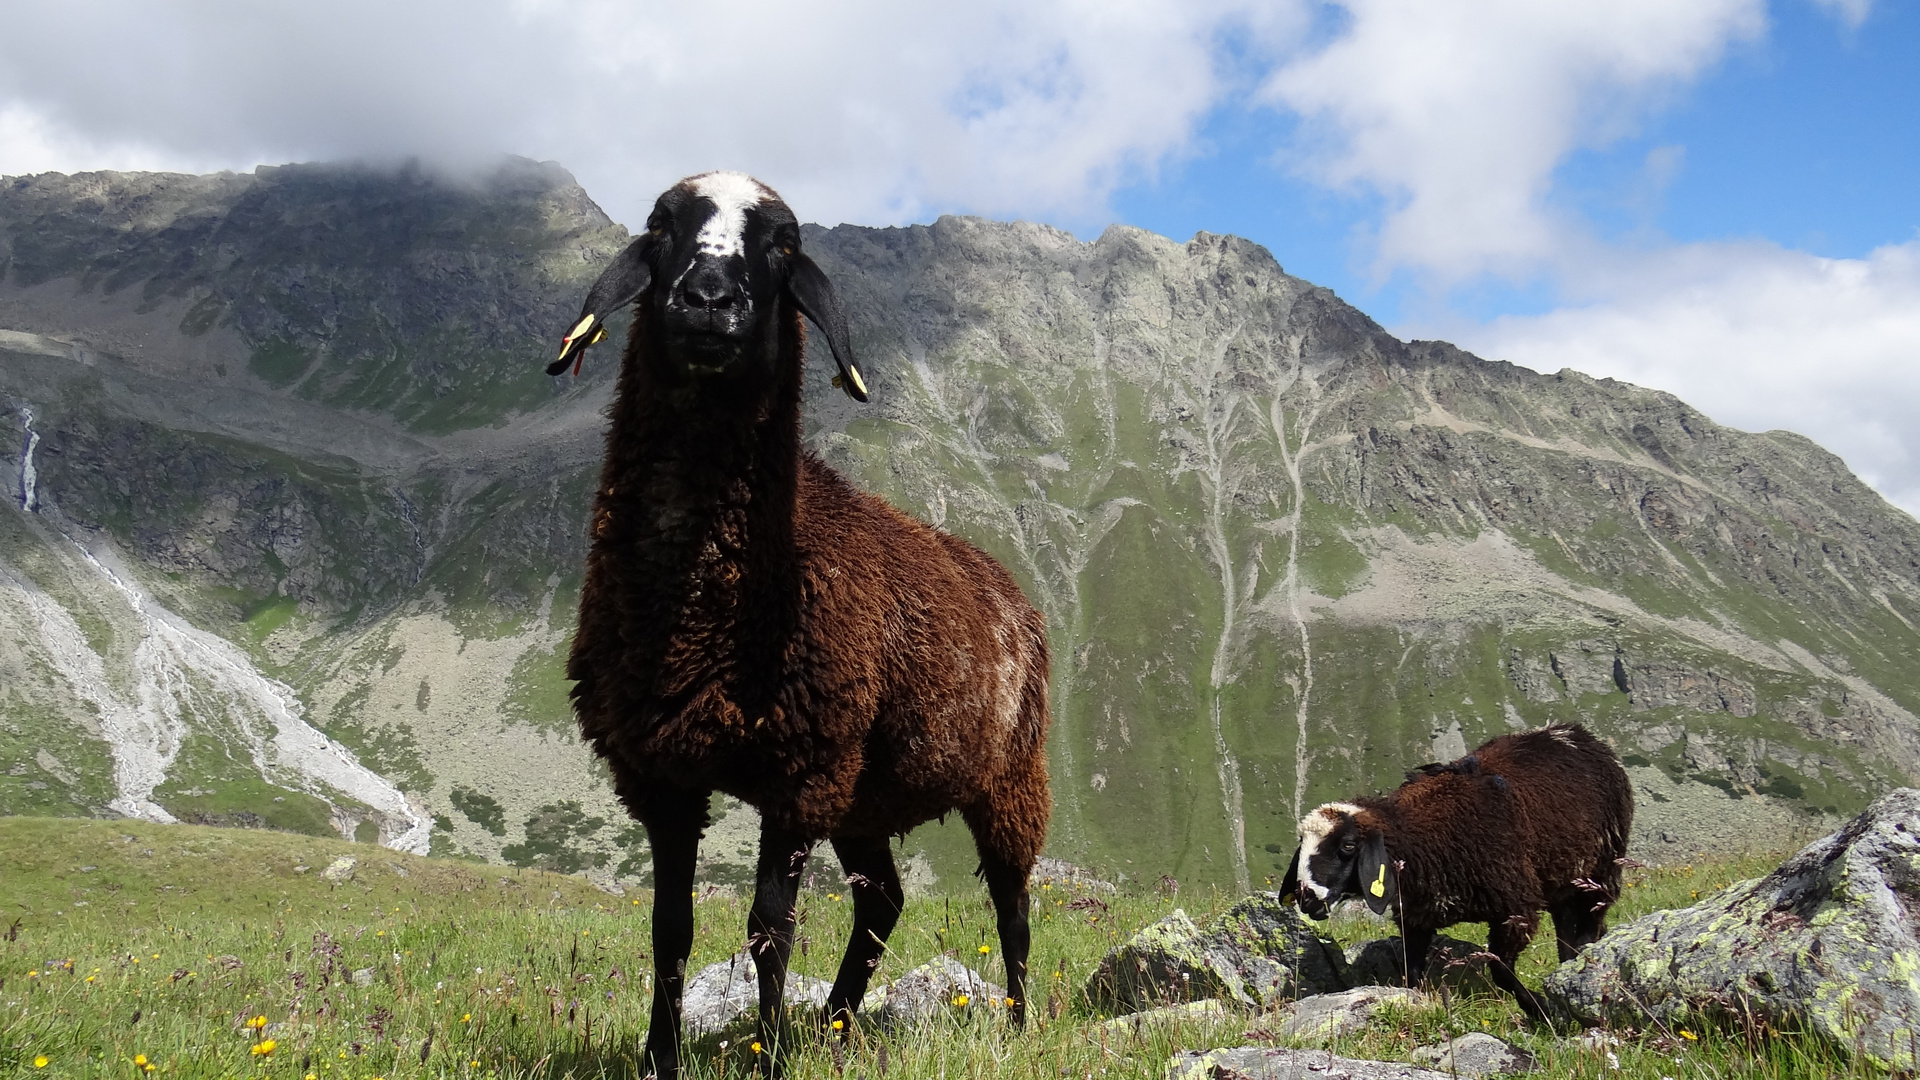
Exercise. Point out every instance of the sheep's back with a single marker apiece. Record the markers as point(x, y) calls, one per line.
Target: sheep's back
point(1576, 799)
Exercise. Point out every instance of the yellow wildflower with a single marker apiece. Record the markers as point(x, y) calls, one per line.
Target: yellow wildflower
point(466, 1018)
point(961, 1000)
point(257, 1023)
point(985, 949)
point(139, 1059)
point(40, 1062)
point(90, 978)
point(838, 1024)
point(33, 974)
point(1009, 1003)
point(756, 1047)
point(264, 1047)
point(1688, 1035)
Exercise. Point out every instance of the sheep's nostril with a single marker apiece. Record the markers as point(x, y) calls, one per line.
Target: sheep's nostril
point(709, 290)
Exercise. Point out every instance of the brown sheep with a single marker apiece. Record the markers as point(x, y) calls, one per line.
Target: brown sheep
point(1529, 822)
point(753, 624)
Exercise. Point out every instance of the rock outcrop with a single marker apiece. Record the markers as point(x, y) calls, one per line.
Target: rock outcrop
point(1830, 942)
point(1264, 1063)
point(727, 992)
point(1258, 952)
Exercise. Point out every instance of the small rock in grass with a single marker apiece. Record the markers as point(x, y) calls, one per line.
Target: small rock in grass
point(1264, 1063)
point(1458, 964)
point(1326, 1016)
point(728, 991)
point(1192, 1014)
point(363, 977)
point(941, 986)
point(340, 869)
point(1475, 1054)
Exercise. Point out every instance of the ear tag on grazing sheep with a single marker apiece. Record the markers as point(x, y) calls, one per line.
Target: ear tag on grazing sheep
point(580, 328)
point(1379, 886)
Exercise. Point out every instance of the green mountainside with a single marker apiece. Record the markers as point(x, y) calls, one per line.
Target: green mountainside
point(1284, 556)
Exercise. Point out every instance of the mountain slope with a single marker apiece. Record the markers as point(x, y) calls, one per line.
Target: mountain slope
point(1283, 555)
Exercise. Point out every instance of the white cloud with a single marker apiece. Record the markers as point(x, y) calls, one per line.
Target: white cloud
point(1758, 337)
point(1851, 13)
point(1457, 112)
point(863, 110)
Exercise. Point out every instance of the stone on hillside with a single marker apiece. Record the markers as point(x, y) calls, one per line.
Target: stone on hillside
point(1327, 1016)
point(1475, 1054)
point(1192, 1014)
point(729, 991)
point(1269, 954)
point(1459, 964)
point(1271, 1063)
point(941, 986)
point(1166, 963)
point(340, 869)
point(1258, 952)
point(1048, 870)
point(1827, 941)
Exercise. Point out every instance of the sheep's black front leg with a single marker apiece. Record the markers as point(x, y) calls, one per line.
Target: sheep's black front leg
point(673, 829)
point(875, 884)
point(1506, 941)
point(783, 855)
point(1007, 884)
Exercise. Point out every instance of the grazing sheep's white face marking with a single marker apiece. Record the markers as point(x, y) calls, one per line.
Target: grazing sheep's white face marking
point(732, 195)
point(1314, 828)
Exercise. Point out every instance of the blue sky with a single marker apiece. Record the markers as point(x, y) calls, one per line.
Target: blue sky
point(1710, 197)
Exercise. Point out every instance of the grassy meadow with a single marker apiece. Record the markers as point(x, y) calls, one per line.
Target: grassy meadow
point(129, 949)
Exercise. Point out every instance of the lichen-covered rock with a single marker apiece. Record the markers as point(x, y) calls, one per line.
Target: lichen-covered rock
point(1265, 1063)
point(1459, 964)
point(939, 987)
point(1167, 963)
point(1193, 1014)
point(1266, 953)
point(1326, 1016)
point(1827, 941)
point(728, 991)
point(1257, 953)
point(1475, 1054)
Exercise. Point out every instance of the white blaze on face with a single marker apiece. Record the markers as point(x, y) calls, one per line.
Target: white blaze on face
point(732, 195)
point(1314, 828)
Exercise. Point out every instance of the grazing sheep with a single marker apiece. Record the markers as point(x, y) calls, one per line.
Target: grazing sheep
point(1528, 822)
point(751, 623)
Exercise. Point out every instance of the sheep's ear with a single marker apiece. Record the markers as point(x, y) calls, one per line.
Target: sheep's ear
point(619, 285)
point(1379, 885)
point(813, 294)
point(1290, 885)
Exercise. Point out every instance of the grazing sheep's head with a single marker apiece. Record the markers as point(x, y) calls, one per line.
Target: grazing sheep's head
point(1341, 854)
point(720, 252)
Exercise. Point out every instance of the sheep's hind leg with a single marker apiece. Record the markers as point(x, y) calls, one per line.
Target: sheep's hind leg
point(783, 855)
point(877, 897)
point(1007, 884)
point(673, 831)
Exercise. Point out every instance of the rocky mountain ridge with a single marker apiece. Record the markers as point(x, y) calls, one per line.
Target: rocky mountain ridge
point(1283, 555)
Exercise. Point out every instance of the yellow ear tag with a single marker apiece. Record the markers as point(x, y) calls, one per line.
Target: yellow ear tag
point(1379, 886)
point(599, 336)
point(858, 383)
point(578, 329)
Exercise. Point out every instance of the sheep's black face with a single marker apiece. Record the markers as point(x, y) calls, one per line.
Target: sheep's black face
point(1341, 856)
point(723, 242)
point(720, 252)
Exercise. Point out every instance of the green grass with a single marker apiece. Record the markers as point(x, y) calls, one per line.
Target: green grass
point(160, 942)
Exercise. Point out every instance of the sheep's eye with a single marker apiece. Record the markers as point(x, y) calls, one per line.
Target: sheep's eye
point(1349, 848)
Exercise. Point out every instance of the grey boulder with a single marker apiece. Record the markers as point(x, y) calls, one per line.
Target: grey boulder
point(1827, 941)
point(1458, 964)
point(1263, 1063)
point(1257, 953)
point(729, 991)
point(1475, 1054)
point(1322, 1017)
point(943, 986)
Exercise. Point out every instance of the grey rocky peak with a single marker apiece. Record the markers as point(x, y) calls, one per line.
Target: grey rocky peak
point(1283, 555)
point(1828, 942)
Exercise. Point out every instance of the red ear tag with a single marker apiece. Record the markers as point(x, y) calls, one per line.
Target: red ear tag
point(577, 357)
